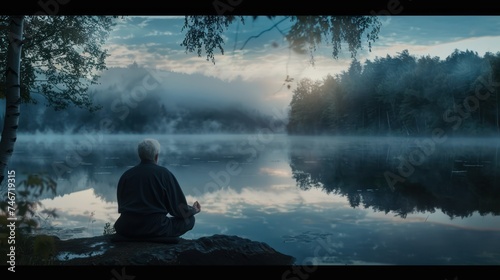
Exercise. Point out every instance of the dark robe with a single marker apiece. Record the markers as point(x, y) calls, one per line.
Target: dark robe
point(151, 203)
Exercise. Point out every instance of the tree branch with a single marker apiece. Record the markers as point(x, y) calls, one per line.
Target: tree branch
point(264, 31)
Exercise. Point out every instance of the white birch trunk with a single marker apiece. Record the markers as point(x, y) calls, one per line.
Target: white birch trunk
point(12, 93)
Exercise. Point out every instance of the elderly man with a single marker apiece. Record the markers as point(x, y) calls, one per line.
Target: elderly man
point(150, 201)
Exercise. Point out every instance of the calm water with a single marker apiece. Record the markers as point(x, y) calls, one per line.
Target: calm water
point(323, 200)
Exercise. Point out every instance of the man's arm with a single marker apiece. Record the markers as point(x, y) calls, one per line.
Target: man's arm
point(177, 200)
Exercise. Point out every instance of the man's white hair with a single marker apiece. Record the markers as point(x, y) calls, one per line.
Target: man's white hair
point(148, 149)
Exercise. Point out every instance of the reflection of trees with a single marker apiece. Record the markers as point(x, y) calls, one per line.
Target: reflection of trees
point(102, 163)
point(457, 180)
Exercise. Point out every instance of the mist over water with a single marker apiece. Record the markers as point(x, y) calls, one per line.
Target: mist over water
point(137, 100)
point(423, 195)
point(408, 190)
point(368, 199)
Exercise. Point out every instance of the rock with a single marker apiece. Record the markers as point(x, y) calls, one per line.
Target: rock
point(212, 250)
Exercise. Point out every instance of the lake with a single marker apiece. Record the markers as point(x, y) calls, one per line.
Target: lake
point(323, 200)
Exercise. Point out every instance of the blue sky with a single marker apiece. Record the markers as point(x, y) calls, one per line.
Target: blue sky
point(263, 62)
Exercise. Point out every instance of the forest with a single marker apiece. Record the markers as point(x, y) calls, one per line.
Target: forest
point(402, 95)
point(166, 110)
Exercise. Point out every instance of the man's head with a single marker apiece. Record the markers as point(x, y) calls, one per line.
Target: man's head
point(149, 149)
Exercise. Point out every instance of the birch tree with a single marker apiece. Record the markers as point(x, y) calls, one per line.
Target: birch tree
point(12, 91)
point(57, 58)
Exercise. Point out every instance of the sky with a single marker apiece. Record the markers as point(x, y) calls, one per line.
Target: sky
point(257, 59)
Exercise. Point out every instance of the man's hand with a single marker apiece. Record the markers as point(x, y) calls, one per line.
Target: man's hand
point(197, 207)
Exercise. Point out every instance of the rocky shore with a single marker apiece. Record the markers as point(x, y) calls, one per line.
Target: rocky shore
point(212, 250)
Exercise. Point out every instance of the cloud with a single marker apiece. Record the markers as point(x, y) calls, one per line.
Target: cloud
point(159, 33)
point(275, 199)
point(265, 61)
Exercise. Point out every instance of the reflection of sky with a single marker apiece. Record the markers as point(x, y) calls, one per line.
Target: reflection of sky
point(82, 211)
point(263, 203)
point(313, 227)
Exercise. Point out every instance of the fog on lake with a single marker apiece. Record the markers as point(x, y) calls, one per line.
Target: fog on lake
point(323, 200)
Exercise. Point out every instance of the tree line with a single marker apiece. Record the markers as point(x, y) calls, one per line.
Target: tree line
point(402, 95)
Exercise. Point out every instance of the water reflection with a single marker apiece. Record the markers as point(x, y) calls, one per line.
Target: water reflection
point(459, 178)
point(323, 200)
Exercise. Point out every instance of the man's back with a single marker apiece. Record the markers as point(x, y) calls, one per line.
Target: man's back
point(147, 193)
point(149, 188)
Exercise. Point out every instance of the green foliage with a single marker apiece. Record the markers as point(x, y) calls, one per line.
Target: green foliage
point(40, 182)
point(205, 33)
point(402, 96)
point(30, 250)
point(308, 32)
point(108, 229)
point(62, 56)
point(44, 248)
point(27, 201)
